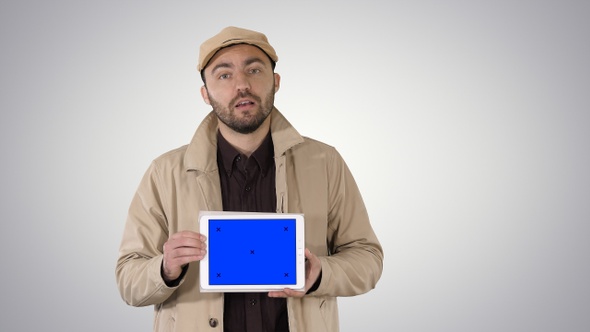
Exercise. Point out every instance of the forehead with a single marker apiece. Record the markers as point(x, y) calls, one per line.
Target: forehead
point(237, 54)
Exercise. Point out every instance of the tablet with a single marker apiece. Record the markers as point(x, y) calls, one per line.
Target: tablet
point(252, 252)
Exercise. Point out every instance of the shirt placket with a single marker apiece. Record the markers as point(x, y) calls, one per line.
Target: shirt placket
point(249, 171)
point(253, 312)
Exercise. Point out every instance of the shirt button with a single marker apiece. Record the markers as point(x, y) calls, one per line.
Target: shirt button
point(248, 189)
point(253, 302)
point(213, 322)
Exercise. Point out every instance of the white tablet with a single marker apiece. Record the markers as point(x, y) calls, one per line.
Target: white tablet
point(252, 252)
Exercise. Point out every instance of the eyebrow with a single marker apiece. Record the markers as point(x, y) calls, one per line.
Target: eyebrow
point(252, 60)
point(248, 62)
point(220, 65)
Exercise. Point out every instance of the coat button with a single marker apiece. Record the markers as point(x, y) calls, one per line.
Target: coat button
point(213, 322)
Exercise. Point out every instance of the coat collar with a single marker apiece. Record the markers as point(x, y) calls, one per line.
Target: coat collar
point(201, 153)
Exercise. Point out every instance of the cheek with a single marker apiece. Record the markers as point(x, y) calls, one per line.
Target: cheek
point(217, 98)
point(213, 96)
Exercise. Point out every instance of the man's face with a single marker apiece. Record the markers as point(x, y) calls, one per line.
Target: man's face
point(240, 87)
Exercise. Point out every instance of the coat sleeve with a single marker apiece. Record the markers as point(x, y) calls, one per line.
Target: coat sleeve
point(355, 260)
point(140, 254)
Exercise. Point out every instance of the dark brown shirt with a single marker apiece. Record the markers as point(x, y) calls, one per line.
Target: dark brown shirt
point(248, 185)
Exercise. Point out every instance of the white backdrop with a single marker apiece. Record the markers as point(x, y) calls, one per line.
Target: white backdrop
point(465, 123)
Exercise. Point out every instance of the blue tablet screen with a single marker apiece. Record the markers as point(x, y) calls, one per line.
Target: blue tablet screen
point(252, 252)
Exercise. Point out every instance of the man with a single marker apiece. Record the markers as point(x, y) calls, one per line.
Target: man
point(245, 156)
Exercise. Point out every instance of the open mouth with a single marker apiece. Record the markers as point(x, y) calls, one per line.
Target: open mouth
point(244, 104)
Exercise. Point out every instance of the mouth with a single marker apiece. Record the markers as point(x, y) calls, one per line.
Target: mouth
point(244, 103)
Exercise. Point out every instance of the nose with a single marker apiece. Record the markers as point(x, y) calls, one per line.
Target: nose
point(242, 82)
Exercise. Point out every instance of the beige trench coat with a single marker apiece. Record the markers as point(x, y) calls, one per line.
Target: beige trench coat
point(311, 178)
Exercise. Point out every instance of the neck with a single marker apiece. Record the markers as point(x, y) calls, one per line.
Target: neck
point(245, 143)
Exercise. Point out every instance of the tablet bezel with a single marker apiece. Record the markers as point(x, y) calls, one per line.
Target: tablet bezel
point(205, 284)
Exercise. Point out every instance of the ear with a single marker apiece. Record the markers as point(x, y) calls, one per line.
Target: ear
point(205, 95)
point(277, 81)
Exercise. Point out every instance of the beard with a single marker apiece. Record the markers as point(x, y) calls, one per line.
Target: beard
point(249, 122)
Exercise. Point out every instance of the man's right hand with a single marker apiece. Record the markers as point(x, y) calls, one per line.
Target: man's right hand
point(180, 249)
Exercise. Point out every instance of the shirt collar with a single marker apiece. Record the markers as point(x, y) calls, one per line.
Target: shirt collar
point(263, 156)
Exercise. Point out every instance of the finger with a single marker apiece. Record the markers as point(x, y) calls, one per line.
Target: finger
point(179, 262)
point(187, 252)
point(179, 242)
point(173, 262)
point(277, 294)
point(310, 256)
point(188, 234)
point(187, 243)
point(287, 292)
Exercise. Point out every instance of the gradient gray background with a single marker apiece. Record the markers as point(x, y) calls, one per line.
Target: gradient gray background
point(466, 124)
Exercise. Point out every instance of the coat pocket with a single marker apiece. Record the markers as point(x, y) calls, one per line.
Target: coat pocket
point(328, 308)
point(164, 320)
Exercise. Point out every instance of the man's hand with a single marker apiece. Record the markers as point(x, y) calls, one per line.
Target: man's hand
point(313, 267)
point(180, 249)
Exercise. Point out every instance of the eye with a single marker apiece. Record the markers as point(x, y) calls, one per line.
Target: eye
point(223, 76)
point(254, 71)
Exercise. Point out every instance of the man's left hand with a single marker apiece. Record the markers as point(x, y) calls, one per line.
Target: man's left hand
point(313, 267)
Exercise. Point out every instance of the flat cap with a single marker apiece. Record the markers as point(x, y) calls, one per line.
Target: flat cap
point(232, 36)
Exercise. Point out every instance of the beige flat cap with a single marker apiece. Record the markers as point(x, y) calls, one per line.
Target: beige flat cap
point(232, 36)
